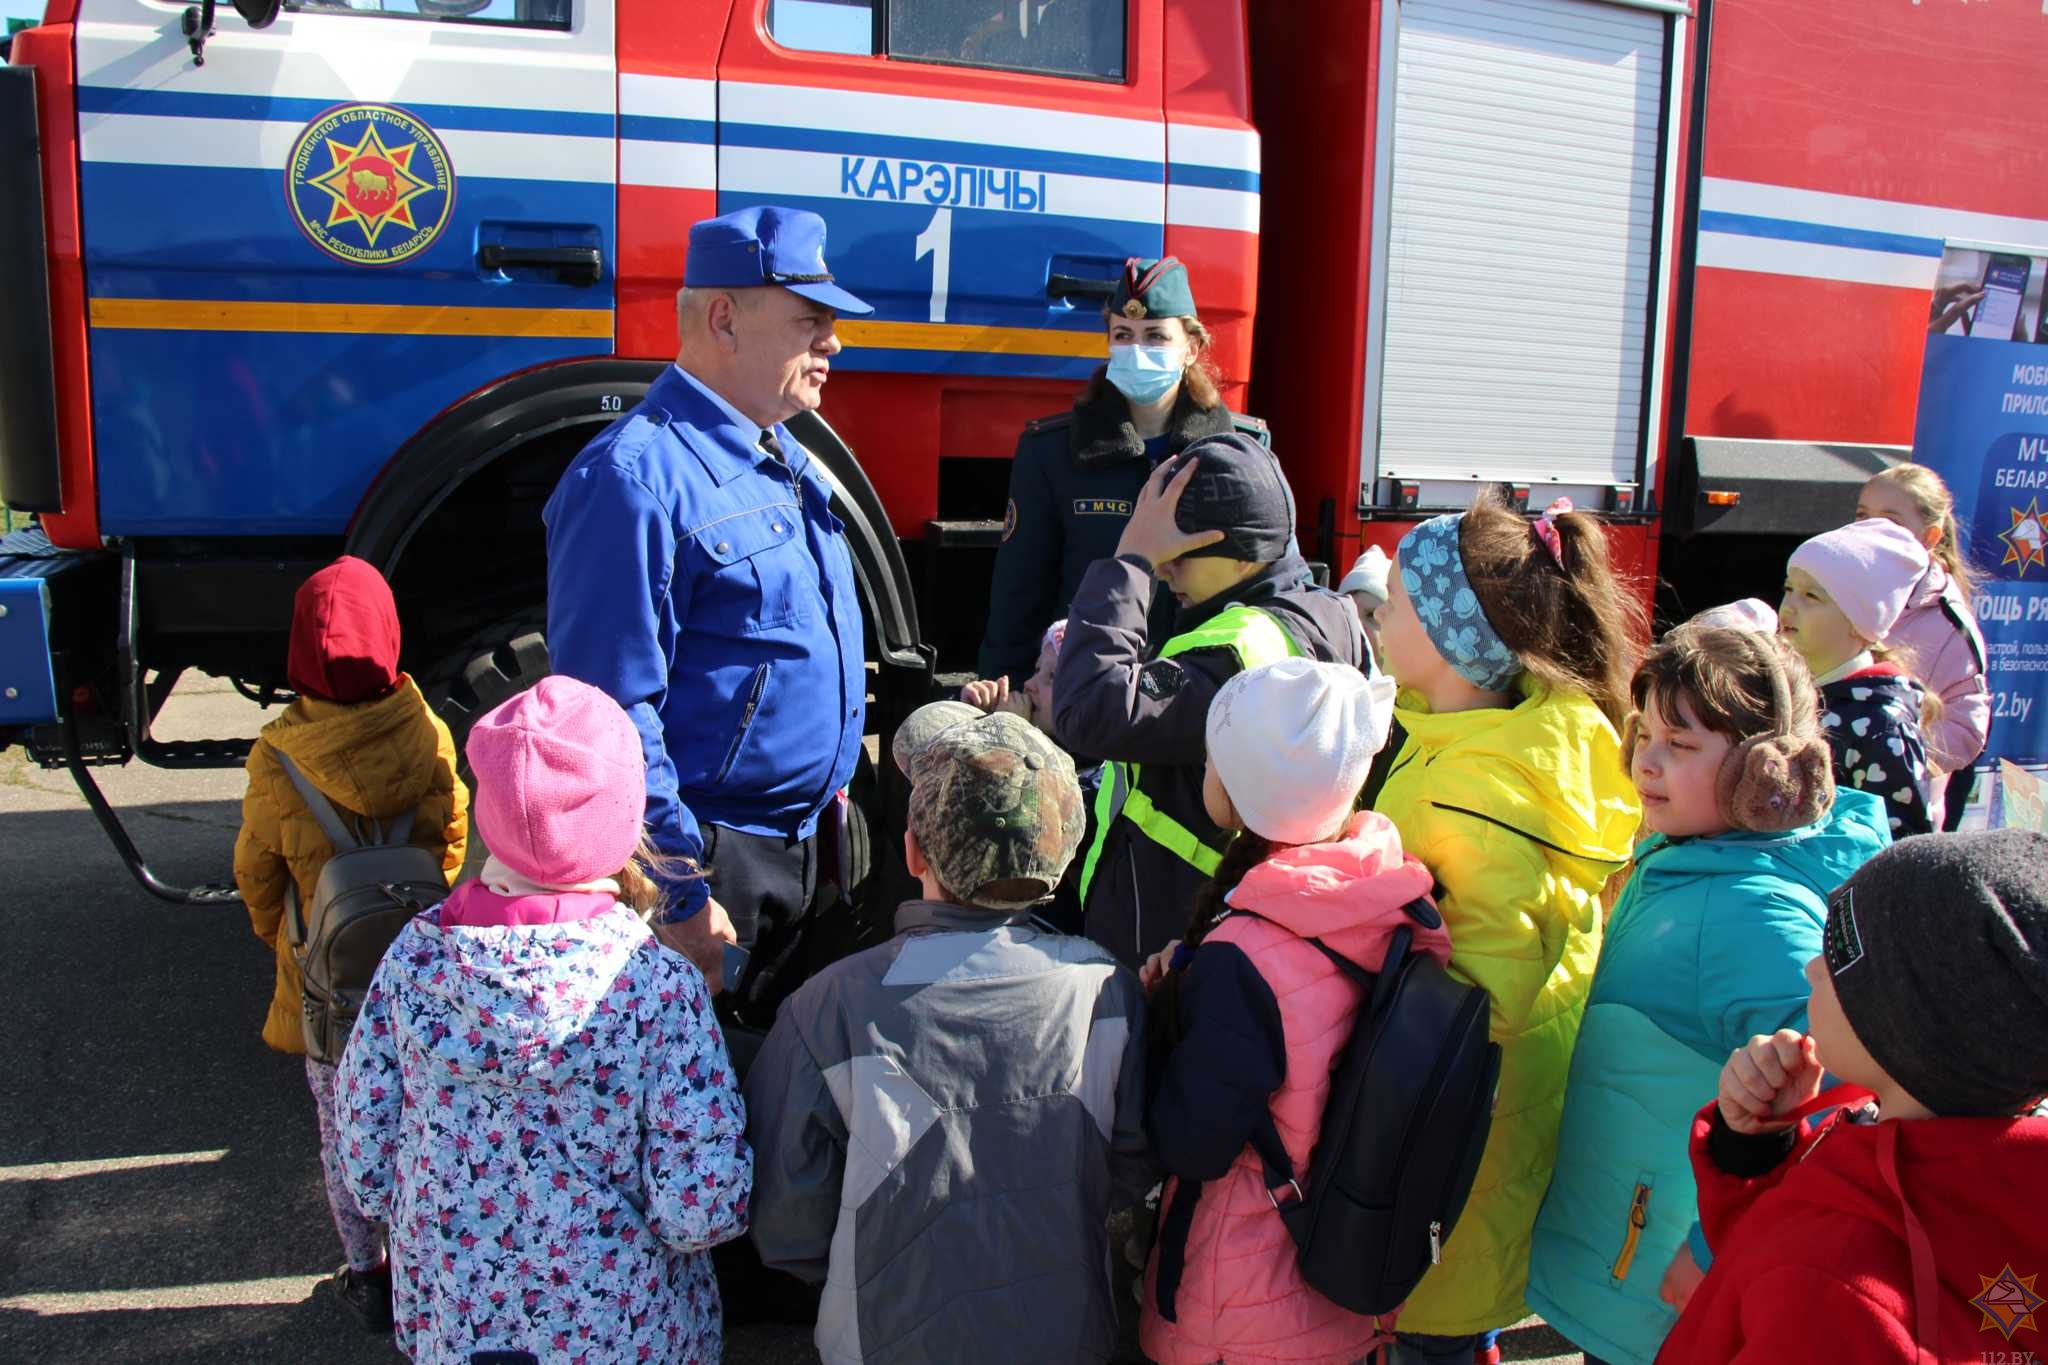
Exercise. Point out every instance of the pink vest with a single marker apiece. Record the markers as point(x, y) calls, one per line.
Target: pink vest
point(1241, 1295)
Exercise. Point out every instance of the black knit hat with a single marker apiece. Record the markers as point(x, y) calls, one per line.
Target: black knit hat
point(1238, 489)
point(1938, 947)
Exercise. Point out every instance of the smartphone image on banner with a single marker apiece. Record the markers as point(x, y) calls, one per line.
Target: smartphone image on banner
point(2005, 290)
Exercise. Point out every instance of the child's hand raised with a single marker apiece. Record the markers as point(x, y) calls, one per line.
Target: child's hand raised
point(1767, 1078)
point(986, 694)
point(993, 695)
point(1156, 966)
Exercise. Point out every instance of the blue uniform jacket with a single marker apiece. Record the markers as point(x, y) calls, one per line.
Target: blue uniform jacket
point(707, 587)
point(1707, 947)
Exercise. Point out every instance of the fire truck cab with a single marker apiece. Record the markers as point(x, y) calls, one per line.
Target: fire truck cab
point(365, 274)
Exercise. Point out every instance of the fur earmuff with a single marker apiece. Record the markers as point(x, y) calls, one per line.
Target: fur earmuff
point(1776, 782)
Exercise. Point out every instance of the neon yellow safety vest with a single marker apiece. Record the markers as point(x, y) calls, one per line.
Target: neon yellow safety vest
point(1256, 639)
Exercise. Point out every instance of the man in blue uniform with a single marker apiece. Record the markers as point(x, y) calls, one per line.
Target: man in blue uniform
point(697, 575)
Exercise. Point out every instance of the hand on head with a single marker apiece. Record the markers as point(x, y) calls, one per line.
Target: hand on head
point(1153, 533)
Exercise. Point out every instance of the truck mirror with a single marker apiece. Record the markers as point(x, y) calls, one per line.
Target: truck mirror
point(258, 13)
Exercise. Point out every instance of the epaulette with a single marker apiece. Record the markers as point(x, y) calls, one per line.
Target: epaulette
point(1054, 422)
point(1246, 422)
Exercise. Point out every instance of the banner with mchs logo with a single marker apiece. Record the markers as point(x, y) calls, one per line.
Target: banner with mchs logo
point(1983, 426)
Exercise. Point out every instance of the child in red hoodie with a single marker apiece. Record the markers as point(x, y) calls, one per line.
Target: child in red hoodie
point(1904, 1226)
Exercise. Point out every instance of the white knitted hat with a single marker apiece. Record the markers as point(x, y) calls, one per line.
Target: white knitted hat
point(1368, 574)
point(1293, 742)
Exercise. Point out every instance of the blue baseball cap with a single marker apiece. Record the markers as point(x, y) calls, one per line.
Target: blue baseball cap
point(765, 245)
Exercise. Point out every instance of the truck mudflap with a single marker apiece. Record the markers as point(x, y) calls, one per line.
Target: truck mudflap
point(28, 388)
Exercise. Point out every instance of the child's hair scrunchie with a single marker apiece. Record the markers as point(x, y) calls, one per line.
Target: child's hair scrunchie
point(1545, 527)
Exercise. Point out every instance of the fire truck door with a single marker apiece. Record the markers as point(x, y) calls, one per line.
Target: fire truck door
point(302, 249)
point(978, 162)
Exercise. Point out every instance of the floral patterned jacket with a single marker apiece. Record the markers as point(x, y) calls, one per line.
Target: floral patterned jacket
point(537, 1100)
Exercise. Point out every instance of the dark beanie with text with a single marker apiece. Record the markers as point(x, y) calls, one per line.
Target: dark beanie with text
point(1237, 489)
point(1938, 948)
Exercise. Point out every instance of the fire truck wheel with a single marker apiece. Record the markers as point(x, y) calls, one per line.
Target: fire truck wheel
point(493, 665)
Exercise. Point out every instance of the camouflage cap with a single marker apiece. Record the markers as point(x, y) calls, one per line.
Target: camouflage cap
point(920, 726)
point(997, 810)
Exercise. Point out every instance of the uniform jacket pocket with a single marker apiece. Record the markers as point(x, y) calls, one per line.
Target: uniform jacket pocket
point(757, 574)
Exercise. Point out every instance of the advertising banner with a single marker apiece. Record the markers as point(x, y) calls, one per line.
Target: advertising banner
point(1983, 426)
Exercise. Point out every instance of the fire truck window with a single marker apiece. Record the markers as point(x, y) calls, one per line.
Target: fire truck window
point(844, 26)
point(552, 14)
point(1056, 37)
point(1051, 37)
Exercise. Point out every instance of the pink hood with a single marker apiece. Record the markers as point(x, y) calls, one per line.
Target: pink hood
point(1937, 638)
point(1347, 892)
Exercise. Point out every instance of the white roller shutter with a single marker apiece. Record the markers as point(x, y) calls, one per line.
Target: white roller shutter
point(1520, 238)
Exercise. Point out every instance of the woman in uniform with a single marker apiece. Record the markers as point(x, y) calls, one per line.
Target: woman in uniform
point(1077, 474)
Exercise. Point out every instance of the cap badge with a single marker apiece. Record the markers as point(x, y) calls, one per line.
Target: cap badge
point(1133, 308)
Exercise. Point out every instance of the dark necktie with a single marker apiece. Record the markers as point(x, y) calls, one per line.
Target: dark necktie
point(772, 446)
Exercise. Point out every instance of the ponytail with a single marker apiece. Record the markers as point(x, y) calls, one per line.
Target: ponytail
point(1570, 620)
point(640, 880)
point(1246, 852)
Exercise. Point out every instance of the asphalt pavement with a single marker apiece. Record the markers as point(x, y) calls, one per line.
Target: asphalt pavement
point(160, 1193)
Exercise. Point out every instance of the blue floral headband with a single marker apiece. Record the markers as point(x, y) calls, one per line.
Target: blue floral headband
point(1433, 572)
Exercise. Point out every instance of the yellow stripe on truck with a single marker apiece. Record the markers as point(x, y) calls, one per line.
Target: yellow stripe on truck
point(388, 319)
point(951, 336)
point(394, 319)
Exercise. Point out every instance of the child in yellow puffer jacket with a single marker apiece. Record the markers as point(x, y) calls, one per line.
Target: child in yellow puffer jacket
point(363, 735)
point(1513, 645)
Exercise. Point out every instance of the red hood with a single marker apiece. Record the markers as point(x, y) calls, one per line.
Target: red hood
point(1348, 892)
point(344, 645)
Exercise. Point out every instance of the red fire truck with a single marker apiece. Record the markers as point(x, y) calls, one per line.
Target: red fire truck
point(364, 274)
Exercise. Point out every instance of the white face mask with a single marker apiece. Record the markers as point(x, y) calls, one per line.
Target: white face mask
point(1146, 374)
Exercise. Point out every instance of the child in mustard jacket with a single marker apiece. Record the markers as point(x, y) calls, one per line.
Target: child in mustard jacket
point(363, 735)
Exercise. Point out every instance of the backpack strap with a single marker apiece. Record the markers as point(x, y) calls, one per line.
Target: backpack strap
point(323, 811)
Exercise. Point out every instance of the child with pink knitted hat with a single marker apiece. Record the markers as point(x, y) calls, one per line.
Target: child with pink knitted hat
point(536, 1096)
point(1845, 591)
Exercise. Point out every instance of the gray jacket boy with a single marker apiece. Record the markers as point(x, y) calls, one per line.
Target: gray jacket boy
point(943, 1123)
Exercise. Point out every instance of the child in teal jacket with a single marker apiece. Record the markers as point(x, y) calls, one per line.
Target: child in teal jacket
point(1706, 948)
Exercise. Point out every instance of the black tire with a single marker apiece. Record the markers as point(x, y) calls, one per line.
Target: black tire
point(484, 670)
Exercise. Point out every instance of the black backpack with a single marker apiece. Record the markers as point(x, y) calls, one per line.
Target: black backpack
point(1410, 1107)
point(373, 884)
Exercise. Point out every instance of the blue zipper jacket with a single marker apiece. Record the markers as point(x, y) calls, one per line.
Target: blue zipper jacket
point(1707, 947)
point(707, 587)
